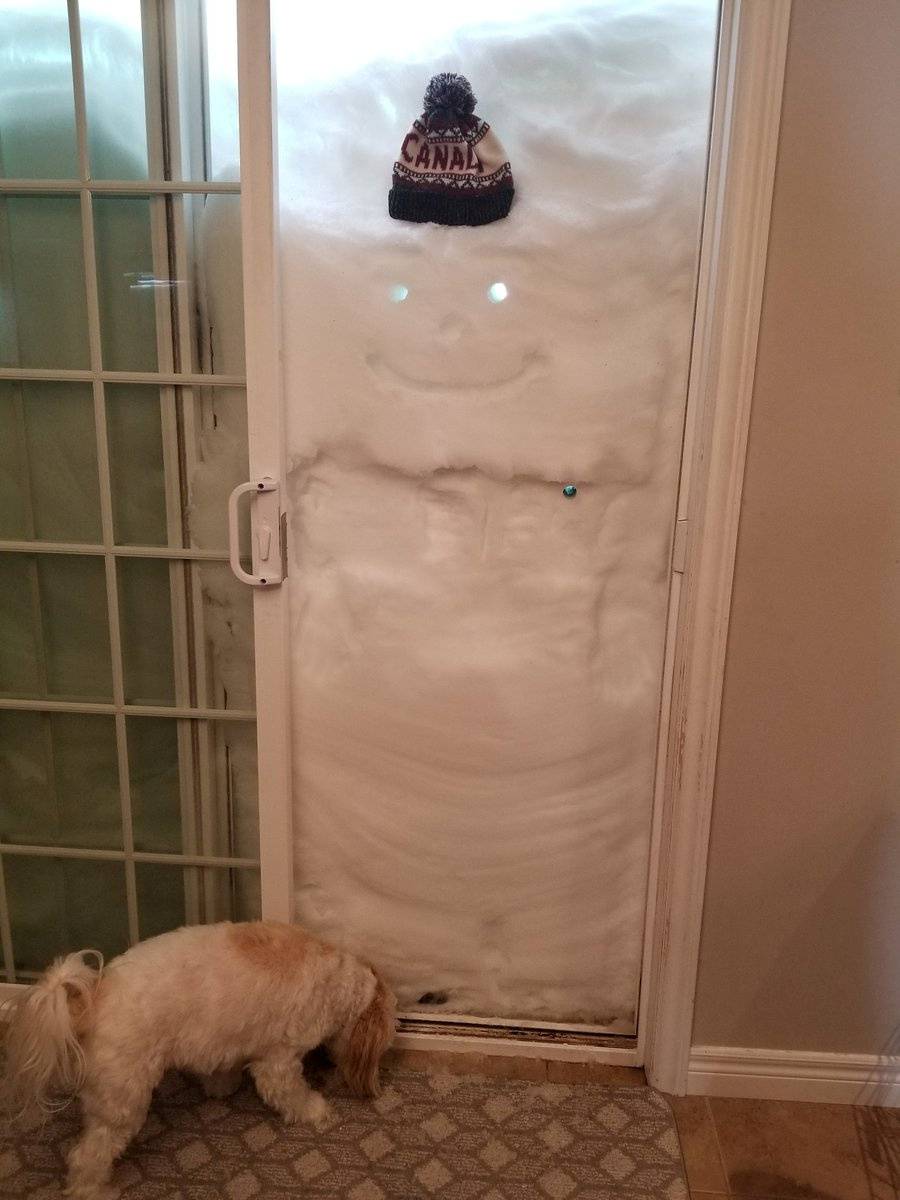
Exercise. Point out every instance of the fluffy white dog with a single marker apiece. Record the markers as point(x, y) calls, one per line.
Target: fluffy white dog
point(206, 999)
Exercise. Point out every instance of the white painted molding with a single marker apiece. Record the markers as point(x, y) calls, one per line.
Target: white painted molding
point(794, 1075)
point(743, 147)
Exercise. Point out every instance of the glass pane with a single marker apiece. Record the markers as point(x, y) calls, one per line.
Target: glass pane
point(216, 645)
point(213, 226)
point(59, 780)
point(20, 644)
point(126, 282)
point(220, 783)
point(223, 895)
point(48, 463)
point(227, 667)
point(137, 472)
point(59, 905)
point(37, 114)
point(211, 438)
point(160, 896)
point(233, 751)
point(54, 635)
point(221, 462)
point(145, 618)
point(155, 784)
point(114, 88)
point(43, 321)
point(221, 65)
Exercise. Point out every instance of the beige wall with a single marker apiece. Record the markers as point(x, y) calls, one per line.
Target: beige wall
point(801, 936)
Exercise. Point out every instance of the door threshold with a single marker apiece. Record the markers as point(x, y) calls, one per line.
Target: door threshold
point(469, 1035)
point(526, 1024)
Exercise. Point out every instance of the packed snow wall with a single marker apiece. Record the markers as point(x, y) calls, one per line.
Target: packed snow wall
point(476, 656)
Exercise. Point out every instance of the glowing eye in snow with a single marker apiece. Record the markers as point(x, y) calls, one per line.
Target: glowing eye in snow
point(497, 292)
point(399, 292)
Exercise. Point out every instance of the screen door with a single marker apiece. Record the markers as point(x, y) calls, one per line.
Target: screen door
point(128, 730)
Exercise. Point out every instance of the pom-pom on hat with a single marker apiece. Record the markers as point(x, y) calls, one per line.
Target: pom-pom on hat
point(452, 169)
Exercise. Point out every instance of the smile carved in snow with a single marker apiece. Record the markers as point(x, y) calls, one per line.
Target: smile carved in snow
point(531, 367)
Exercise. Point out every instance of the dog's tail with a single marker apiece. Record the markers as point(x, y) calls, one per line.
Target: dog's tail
point(44, 1061)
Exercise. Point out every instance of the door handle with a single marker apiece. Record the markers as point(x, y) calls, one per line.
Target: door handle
point(268, 568)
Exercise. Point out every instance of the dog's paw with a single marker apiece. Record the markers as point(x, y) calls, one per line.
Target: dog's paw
point(318, 1112)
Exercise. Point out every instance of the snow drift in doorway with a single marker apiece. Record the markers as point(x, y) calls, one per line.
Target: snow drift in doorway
point(477, 658)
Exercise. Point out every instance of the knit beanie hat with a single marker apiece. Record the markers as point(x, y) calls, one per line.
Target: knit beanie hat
point(452, 169)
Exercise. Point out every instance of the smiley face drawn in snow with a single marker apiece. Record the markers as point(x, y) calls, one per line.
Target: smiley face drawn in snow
point(453, 348)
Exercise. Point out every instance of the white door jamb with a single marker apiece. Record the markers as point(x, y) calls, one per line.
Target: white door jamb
point(746, 116)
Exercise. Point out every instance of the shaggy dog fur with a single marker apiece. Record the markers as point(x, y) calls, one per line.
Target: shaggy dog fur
point(207, 999)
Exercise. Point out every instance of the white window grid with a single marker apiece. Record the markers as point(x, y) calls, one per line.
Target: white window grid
point(178, 154)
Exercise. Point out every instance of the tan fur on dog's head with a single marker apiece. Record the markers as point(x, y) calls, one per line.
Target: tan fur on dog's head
point(359, 1052)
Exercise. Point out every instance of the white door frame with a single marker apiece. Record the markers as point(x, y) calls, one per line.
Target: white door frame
point(266, 425)
point(746, 113)
point(750, 69)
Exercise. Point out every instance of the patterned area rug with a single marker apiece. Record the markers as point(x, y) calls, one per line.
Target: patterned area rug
point(447, 1136)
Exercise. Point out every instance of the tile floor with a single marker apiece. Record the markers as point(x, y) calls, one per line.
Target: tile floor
point(767, 1149)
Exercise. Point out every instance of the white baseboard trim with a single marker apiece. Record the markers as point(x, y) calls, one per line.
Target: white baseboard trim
point(794, 1075)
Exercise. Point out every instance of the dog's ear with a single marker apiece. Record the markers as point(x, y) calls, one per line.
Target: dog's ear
point(370, 1036)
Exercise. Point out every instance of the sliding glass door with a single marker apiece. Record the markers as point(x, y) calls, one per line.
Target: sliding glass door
point(128, 752)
